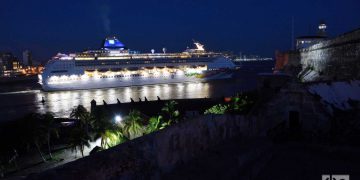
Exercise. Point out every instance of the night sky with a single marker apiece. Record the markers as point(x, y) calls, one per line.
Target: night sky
point(248, 26)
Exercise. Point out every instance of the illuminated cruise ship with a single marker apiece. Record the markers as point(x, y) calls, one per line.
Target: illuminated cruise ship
point(114, 66)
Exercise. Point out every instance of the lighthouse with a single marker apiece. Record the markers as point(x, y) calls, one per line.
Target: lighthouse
point(322, 29)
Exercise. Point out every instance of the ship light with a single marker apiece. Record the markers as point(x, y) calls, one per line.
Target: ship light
point(156, 74)
point(189, 71)
point(64, 78)
point(166, 73)
point(145, 74)
point(40, 79)
point(96, 76)
point(73, 77)
point(84, 77)
point(192, 70)
point(127, 74)
point(179, 72)
point(54, 78)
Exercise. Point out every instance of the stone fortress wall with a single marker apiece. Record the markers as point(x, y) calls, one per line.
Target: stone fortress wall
point(333, 59)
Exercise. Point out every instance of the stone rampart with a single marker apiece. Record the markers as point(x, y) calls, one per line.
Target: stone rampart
point(150, 156)
point(334, 59)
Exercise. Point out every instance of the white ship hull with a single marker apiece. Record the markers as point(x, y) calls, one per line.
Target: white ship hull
point(97, 83)
point(115, 66)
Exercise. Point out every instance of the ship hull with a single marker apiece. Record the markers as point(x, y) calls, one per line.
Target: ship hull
point(98, 83)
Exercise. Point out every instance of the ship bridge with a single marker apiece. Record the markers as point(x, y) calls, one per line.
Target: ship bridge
point(113, 43)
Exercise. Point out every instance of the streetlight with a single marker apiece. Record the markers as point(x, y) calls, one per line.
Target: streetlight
point(118, 119)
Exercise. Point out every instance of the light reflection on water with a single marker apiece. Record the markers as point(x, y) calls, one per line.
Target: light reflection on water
point(22, 99)
point(16, 103)
point(61, 103)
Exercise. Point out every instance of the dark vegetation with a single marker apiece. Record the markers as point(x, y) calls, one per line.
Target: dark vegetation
point(42, 135)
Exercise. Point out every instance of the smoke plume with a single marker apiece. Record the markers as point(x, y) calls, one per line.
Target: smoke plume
point(105, 18)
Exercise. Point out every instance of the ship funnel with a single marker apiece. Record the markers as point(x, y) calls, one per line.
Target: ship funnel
point(199, 46)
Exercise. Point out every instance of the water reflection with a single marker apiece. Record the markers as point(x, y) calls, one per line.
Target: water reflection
point(23, 99)
point(61, 103)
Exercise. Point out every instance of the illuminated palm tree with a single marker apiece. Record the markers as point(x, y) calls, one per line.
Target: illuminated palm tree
point(112, 138)
point(217, 109)
point(132, 127)
point(80, 135)
point(105, 129)
point(155, 124)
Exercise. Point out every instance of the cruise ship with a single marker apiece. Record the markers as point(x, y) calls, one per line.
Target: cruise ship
point(114, 65)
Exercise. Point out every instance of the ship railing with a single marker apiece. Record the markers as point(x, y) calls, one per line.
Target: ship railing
point(148, 56)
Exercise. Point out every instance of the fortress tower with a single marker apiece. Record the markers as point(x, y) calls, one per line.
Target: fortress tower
point(322, 29)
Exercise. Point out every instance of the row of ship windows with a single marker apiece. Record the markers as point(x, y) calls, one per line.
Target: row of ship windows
point(92, 63)
point(118, 76)
point(132, 75)
point(63, 66)
point(59, 71)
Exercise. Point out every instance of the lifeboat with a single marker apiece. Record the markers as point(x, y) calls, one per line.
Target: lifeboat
point(149, 67)
point(116, 69)
point(103, 70)
point(133, 68)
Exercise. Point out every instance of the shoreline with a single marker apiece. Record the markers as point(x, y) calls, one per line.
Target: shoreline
point(19, 79)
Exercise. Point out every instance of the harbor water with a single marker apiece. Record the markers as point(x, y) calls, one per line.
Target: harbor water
point(20, 99)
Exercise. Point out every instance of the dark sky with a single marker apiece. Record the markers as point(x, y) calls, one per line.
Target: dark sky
point(250, 26)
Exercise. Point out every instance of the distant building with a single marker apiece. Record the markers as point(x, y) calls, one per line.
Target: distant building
point(9, 64)
point(7, 60)
point(2, 68)
point(27, 58)
point(307, 41)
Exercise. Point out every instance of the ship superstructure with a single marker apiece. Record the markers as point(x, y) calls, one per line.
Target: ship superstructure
point(114, 65)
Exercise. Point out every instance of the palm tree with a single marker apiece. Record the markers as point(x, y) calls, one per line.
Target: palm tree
point(78, 112)
point(33, 133)
point(217, 109)
point(50, 128)
point(240, 104)
point(170, 112)
point(80, 135)
point(79, 138)
point(155, 124)
point(37, 142)
point(112, 138)
point(132, 127)
point(105, 129)
point(86, 120)
point(37, 135)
